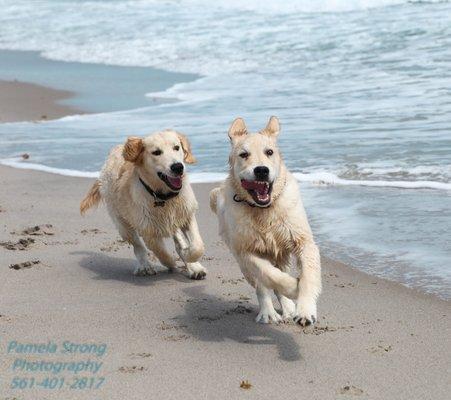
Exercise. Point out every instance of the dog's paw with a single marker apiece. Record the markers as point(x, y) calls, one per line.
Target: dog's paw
point(268, 317)
point(196, 271)
point(288, 310)
point(305, 312)
point(144, 270)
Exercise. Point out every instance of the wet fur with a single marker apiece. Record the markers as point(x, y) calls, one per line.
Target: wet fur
point(263, 240)
point(132, 208)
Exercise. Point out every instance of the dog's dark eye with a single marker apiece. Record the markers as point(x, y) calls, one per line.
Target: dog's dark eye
point(157, 152)
point(176, 148)
point(244, 154)
point(269, 152)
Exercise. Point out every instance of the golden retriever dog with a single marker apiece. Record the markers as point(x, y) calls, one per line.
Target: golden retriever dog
point(149, 198)
point(263, 222)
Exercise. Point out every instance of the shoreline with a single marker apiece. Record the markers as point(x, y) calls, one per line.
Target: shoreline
point(97, 88)
point(25, 101)
point(79, 286)
point(213, 183)
point(201, 178)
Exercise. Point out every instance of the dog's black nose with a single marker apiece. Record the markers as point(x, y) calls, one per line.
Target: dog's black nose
point(261, 173)
point(177, 168)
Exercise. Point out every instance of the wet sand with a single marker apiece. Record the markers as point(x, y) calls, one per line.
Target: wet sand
point(21, 101)
point(68, 278)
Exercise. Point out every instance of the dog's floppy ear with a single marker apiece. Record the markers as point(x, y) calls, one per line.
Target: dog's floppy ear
point(186, 146)
point(237, 130)
point(272, 127)
point(133, 149)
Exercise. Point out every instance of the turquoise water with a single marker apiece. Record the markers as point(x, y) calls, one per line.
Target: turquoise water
point(98, 87)
point(362, 89)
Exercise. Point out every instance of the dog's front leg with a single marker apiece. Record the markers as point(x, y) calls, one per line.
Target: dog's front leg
point(190, 248)
point(156, 245)
point(267, 313)
point(261, 274)
point(309, 263)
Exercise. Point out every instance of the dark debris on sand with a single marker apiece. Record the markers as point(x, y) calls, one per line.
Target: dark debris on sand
point(239, 310)
point(23, 265)
point(319, 330)
point(37, 230)
point(140, 355)
point(93, 231)
point(351, 389)
point(245, 385)
point(22, 244)
point(132, 369)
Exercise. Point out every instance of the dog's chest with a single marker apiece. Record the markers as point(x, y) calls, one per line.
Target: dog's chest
point(164, 220)
point(265, 233)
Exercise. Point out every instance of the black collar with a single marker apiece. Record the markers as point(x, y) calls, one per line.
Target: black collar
point(159, 197)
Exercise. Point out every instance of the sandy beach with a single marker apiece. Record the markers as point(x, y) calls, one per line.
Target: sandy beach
point(169, 337)
point(362, 93)
point(21, 101)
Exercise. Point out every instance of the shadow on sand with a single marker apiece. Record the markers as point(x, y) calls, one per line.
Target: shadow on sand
point(121, 269)
point(213, 319)
point(206, 317)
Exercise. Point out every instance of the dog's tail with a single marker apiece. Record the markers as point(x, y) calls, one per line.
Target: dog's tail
point(214, 199)
point(92, 198)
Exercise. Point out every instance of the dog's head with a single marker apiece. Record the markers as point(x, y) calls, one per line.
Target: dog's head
point(160, 158)
point(255, 161)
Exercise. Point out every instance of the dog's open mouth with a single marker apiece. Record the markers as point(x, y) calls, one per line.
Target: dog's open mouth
point(174, 183)
point(259, 190)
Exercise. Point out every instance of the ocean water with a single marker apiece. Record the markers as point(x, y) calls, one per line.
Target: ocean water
point(98, 87)
point(362, 89)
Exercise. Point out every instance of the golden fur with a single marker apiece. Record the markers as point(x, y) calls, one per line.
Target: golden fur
point(263, 239)
point(92, 199)
point(135, 212)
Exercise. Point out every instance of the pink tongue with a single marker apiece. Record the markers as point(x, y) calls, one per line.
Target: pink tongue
point(260, 187)
point(175, 182)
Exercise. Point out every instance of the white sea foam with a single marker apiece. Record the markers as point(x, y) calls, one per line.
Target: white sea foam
point(20, 164)
point(328, 178)
point(131, 40)
point(316, 178)
point(360, 95)
point(206, 177)
point(184, 92)
point(418, 170)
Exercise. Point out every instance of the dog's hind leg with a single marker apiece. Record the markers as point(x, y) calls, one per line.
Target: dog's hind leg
point(267, 313)
point(127, 233)
point(194, 249)
point(288, 305)
point(184, 249)
point(214, 194)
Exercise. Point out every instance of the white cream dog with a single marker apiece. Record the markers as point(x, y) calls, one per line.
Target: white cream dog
point(263, 222)
point(148, 196)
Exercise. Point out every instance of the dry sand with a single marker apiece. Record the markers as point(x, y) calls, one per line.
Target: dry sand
point(169, 337)
point(20, 101)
